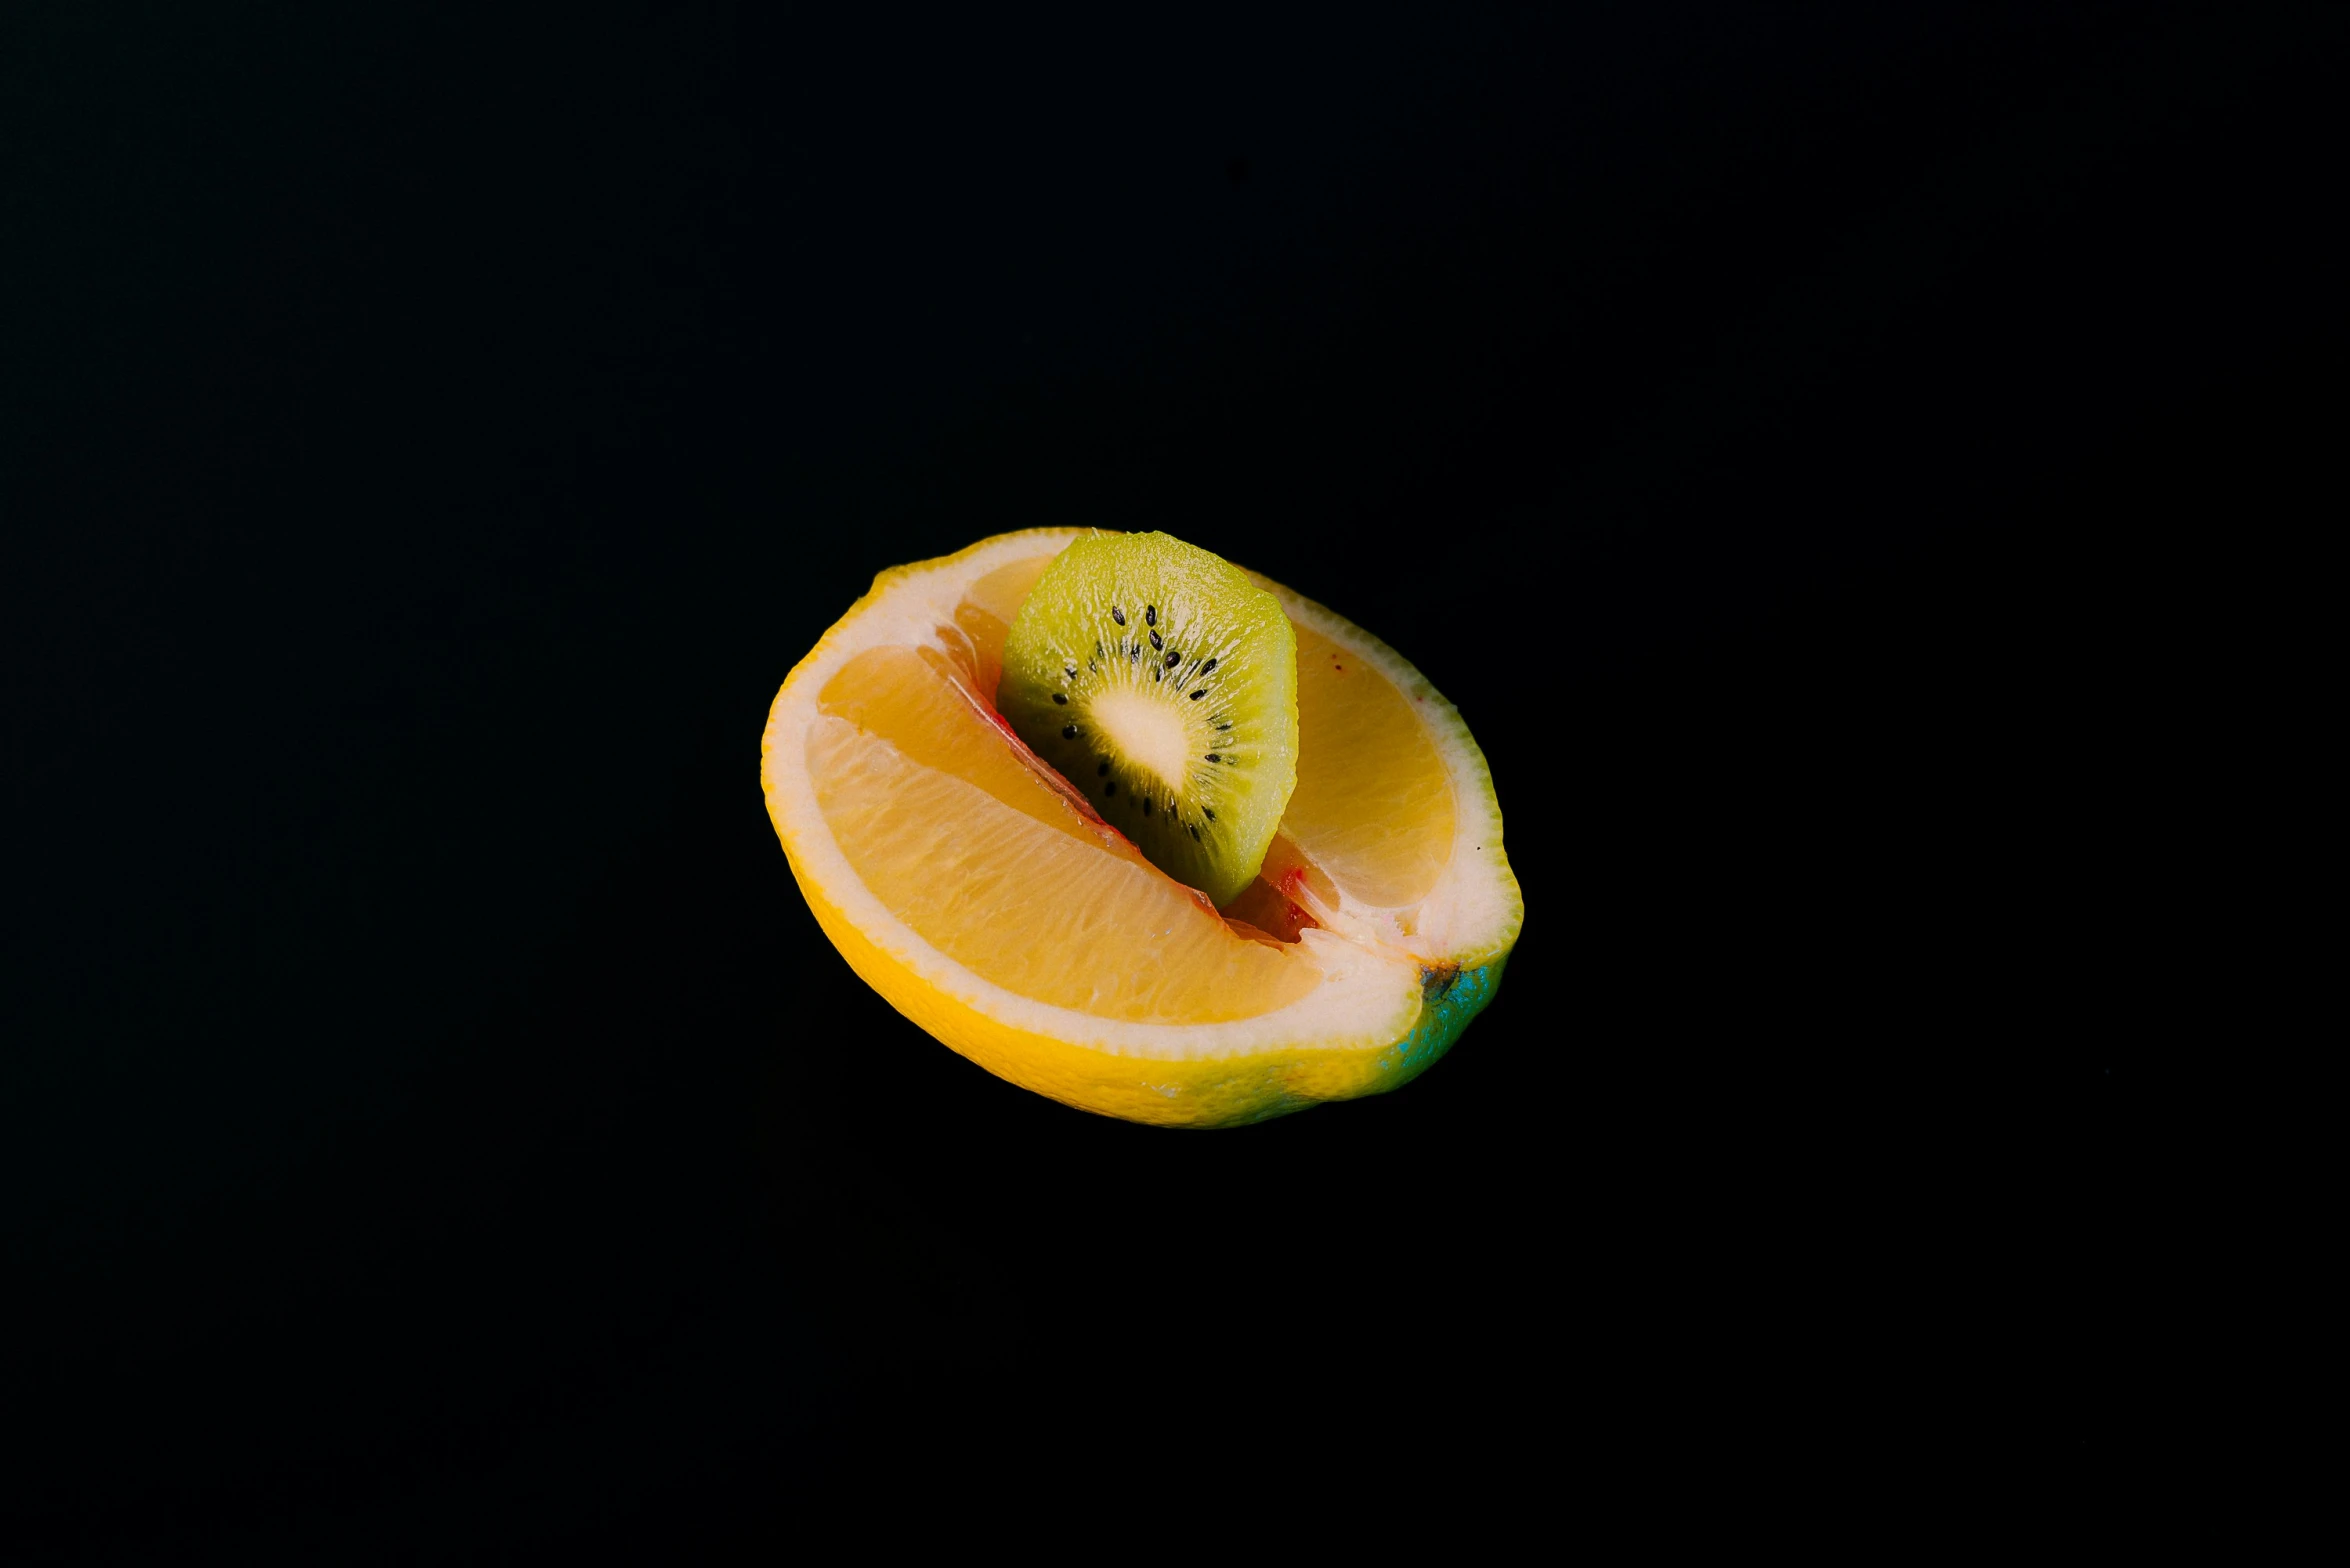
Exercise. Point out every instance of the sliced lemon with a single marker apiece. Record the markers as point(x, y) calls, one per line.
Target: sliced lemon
point(982, 896)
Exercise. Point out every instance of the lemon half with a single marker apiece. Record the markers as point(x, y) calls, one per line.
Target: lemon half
point(983, 897)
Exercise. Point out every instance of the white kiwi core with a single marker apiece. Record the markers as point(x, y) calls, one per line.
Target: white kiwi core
point(1147, 732)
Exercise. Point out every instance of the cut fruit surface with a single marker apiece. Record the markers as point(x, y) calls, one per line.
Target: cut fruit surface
point(1161, 682)
point(979, 892)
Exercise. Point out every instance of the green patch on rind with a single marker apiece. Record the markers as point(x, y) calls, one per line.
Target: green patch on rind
point(1444, 1013)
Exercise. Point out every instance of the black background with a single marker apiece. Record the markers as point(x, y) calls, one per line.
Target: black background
point(1820, 455)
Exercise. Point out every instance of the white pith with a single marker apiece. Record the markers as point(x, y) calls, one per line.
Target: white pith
point(1370, 961)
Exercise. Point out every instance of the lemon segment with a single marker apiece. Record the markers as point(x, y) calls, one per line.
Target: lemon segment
point(1382, 828)
point(1394, 833)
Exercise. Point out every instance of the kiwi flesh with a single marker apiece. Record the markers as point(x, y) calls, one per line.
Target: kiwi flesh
point(1162, 683)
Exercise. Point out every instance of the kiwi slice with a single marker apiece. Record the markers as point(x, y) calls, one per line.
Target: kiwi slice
point(1163, 683)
